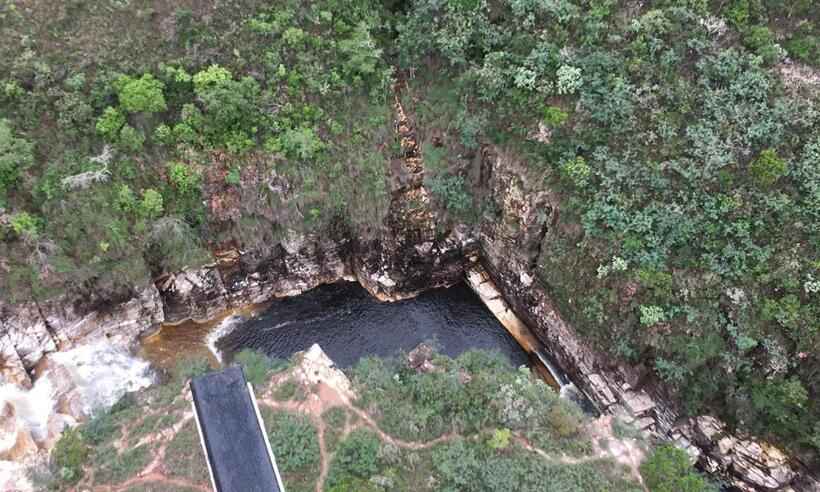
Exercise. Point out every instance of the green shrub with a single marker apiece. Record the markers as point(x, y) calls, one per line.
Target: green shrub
point(102, 427)
point(814, 438)
point(69, 456)
point(151, 205)
point(164, 134)
point(768, 168)
point(191, 367)
point(651, 315)
point(554, 117)
point(212, 75)
point(761, 40)
point(233, 177)
point(668, 470)
point(294, 440)
point(131, 139)
point(569, 79)
point(452, 191)
point(805, 48)
point(125, 200)
point(110, 123)
point(335, 419)
point(184, 179)
point(563, 421)
point(16, 154)
point(113, 467)
point(576, 171)
point(24, 224)
point(738, 12)
point(779, 402)
point(357, 457)
point(500, 439)
point(141, 95)
point(286, 390)
point(299, 143)
point(238, 142)
point(257, 366)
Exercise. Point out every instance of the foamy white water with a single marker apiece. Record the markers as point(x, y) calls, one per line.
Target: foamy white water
point(101, 374)
point(224, 328)
point(13, 477)
point(32, 407)
point(104, 373)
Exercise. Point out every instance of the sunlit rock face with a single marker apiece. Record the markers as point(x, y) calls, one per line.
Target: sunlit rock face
point(24, 334)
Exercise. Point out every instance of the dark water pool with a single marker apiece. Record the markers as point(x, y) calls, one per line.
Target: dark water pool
point(349, 324)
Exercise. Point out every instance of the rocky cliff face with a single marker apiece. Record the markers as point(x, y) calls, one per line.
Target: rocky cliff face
point(31, 330)
point(409, 254)
point(509, 249)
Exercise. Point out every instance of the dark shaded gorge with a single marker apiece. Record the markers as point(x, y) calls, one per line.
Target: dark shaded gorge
point(349, 324)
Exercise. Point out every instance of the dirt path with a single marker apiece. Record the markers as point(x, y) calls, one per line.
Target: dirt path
point(315, 405)
point(321, 397)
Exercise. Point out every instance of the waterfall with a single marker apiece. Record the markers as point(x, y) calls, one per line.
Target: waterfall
point(104, 373)
point(33, 407)
point(99, 373)
point(224, 328)
point(556, 374)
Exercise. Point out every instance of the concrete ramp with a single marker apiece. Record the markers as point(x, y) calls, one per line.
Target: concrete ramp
point(233, 435)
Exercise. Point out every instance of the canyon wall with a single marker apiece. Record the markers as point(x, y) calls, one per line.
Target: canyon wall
point(510, 247)
point(412, 252)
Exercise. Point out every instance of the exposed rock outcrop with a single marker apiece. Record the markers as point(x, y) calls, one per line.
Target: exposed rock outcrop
point(16, 442)
point(299, 263)
point(411, 254)
point(24, 328)
point(12, 369)
point(31, 330)
point(71, 321)
point(196, 294)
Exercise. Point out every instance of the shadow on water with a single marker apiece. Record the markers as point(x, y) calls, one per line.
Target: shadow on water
point(349, 324)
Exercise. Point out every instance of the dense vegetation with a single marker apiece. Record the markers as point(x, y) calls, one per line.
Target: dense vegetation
point(688, 173)
point(137, 137)
point(488, 418)
point(120, 161)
